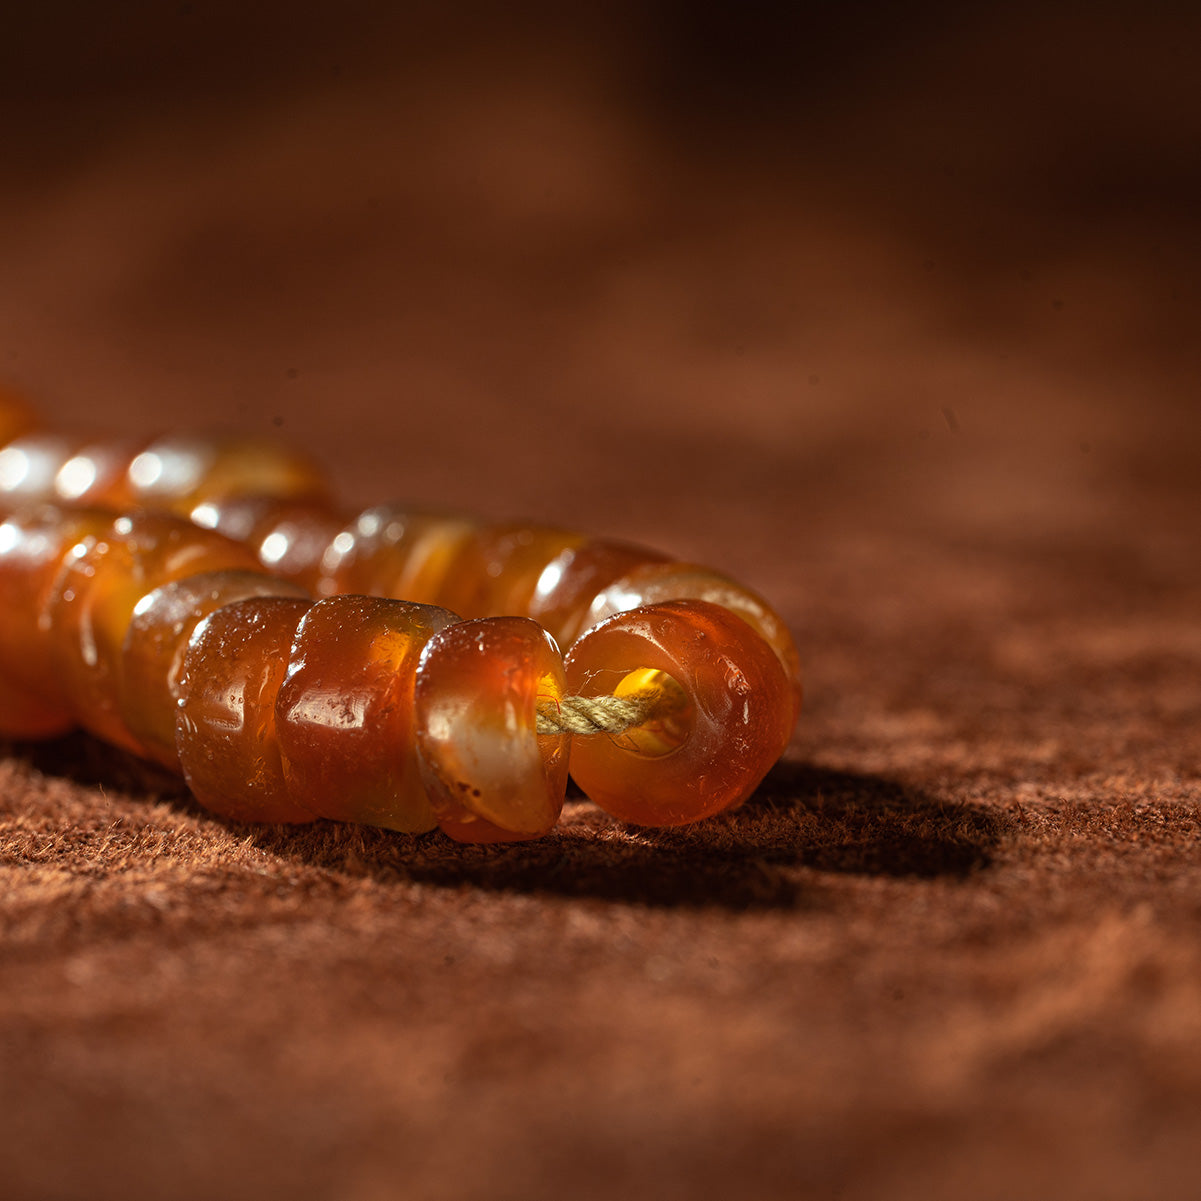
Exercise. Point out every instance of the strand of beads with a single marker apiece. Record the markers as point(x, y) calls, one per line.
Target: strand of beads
point(276, 502)
point(725, 710)
point(162, 638)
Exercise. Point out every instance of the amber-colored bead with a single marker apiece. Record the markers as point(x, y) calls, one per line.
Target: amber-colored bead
point(33, 544)
point(179, 471)
point(496, 570)
point(344, 714)
point(225, 725)
point(97, 473)
point(490, 775)
point(569, 583)
point(91, 603)
point(290, 537)
point(386, 551)
point(151, 666)
point(29, 465)
point(65, 469)
point(727, 712)
point(658, 582)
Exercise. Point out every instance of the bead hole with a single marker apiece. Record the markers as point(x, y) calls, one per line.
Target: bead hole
point(668, 724)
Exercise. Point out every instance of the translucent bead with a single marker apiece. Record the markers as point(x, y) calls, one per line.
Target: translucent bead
point(225, 724)
point(290, 537)
point(490, 775)
point(344, 714)
point(97, 473)
point(91, 603)
point(33, 544)
point(387, 551)
point(658, 582)
point(496, 571)
point(66, 469)
point(725, 716)
point(29, 465)
point(179, 471)
point(151, 667)
point(568, 584)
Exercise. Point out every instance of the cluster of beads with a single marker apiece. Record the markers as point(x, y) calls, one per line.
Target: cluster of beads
point(202, 603)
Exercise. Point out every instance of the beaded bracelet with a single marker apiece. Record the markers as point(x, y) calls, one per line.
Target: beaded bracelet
point(168, 637)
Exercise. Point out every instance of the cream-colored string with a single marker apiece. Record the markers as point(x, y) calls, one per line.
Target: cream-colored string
point(597, 714)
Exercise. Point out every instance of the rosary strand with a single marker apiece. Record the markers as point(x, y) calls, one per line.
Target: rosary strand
point(677, 692)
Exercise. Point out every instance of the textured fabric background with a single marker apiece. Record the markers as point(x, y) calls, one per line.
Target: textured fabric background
point(893, 316)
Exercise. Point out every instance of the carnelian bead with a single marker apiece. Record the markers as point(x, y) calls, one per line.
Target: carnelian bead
point(67, 469)
point(148, 685)
point(33, 544)
point(28, 465)
point(729, 712)
point(570, 582)
point(386, 551)
point(225, 725)
point(496, 571)
point(97, 474)
point(289, 536)
point(93, 597)
point(490, 775)
point(179, 471)
point(655, 583)
point(344, 714)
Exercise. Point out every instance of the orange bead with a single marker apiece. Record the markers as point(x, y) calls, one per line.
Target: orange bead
point(344, 714)
point(29, 465)
point(179, 471)
point(569, 583)
point(490, 775)
point(33, 544)
point(727, 712)
point(496, 571)
point(66, 469)
point(290, 537)
point(386, 551)
point(91, 604)
point(151, 666)
point(225, 725)
point(96, 473)
point(655, 583)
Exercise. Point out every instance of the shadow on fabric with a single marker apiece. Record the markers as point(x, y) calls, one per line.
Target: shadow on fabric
point(770, 854)
point(802, 823)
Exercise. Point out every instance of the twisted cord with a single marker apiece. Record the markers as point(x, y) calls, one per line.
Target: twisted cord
point(597, 714)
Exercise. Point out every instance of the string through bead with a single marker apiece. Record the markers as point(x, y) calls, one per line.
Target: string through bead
point(585, 715)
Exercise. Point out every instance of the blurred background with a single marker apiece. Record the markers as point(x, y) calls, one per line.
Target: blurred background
point(885, 266)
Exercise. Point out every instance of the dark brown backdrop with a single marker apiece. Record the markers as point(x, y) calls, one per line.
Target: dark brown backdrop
point(891, 314)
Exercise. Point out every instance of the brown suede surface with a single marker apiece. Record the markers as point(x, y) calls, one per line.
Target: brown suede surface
point(894, 320)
